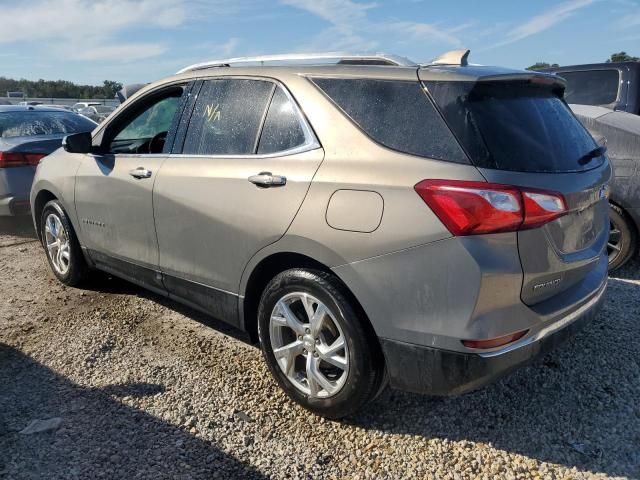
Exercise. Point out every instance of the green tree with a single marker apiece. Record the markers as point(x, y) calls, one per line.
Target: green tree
point(58, 88)
point(110, 88)
point(539, 65)
point(622, 57)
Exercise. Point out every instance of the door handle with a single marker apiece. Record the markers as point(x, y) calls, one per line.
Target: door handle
point(140, 172)
point(267, 180)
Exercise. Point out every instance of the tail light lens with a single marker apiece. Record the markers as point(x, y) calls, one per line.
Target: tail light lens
point(20, 159)
point(474, 208)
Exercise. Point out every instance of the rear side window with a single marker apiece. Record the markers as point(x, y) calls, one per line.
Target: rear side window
point(282, 130)
point(515, 126)
point(595, 87)
point(28, 123)
point(396, 114)
point(227, 117)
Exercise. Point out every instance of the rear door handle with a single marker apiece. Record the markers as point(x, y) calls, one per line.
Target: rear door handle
point(140, 172)
point(267, 180)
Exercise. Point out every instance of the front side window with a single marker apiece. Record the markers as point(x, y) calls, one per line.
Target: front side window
point(227, 117)
point(282, 129)
point(594, 87)
point(147, 130)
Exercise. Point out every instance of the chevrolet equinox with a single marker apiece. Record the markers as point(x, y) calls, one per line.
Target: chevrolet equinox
point(367, 219)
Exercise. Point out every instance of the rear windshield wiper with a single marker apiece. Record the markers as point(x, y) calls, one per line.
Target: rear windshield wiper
point(595, 153)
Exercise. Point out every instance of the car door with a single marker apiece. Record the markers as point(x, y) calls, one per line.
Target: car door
point(114, 199)
point(247, 160)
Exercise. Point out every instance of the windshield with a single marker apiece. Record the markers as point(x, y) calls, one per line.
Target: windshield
point(515, 126)
point(28, 123)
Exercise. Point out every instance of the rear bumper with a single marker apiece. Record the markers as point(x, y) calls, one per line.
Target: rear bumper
point(11, 206)
point(434, 371)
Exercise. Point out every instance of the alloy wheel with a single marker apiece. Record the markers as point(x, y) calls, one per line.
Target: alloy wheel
point(57, 243)
point(614, 244)
point(309, 345)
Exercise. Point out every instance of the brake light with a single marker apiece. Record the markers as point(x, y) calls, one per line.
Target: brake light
point(474, 208)
point(20, 159)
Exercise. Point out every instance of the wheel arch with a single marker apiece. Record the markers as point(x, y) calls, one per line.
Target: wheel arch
point(273, 264)
point(43, 197)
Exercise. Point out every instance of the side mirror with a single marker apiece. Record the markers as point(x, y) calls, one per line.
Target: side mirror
point(78, 142)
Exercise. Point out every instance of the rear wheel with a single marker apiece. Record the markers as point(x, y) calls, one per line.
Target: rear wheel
point(61, 245)
point(315, 345)
point(622, 238)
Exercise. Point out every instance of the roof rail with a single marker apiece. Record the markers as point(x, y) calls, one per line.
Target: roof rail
point(288, 58)
point(452, 57)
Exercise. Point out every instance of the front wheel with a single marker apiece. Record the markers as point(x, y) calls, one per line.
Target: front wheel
point(316, 346)
point(61, 245)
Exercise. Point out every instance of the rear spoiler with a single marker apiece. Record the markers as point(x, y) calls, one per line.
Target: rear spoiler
point(533, 78)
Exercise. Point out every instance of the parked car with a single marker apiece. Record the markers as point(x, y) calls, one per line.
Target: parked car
point(369, 220)
point(614, 89)
point(63, 107)
point(27, 134)
point(80, 105)
point(97, 113)
point(613, 85)
point(621, 132)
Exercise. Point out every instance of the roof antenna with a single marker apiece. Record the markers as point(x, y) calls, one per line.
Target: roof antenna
point(453, 57)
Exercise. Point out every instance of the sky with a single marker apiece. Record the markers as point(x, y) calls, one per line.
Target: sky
point(130, 41)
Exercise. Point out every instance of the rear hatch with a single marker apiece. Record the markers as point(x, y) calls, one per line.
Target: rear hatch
point(518, 131)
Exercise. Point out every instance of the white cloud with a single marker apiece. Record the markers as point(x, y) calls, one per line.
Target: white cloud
point(127, 52)
point(85, 29)
point(544, 21)
point(352, 29)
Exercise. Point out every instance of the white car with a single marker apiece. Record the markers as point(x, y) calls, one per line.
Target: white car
point(80, 105)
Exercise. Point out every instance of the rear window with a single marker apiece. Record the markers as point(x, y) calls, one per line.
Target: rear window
point(514, 126)
point(594, 87)
point(396, 114)
point(282, 130)
point(28, 123)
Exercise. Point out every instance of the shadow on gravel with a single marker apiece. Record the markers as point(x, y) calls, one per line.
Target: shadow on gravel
point(577, 407)
point(98, 437)
point(21, 227)
point(104, 283)
point(631, 271)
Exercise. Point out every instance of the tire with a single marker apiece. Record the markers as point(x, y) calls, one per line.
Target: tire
point(314, 345)
point(622, 243)
point(71, 269)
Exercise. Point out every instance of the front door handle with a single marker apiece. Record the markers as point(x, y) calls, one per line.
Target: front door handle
point(140, 172)
point(267, 180)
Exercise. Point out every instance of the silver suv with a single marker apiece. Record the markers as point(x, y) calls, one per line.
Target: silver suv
point(367, 219)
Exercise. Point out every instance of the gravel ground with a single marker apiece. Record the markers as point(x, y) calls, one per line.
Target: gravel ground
point(130, 385)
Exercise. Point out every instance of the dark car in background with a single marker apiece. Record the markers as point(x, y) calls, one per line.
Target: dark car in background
point(611, 85)
point(27, 134)
point(621, 132)
point(606, 99)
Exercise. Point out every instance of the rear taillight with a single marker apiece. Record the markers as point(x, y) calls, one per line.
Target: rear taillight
point(20, 159)
point(474, 208)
